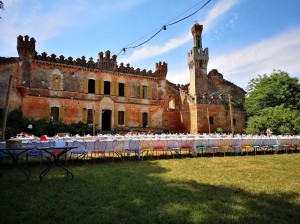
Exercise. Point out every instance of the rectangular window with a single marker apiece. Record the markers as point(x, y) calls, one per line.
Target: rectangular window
point(106, 87)
point(145, 119)
point(90, 116)
point(54, 114)
point(121, 89)
point(121, 117)
point(145, 92)
point(211, 120)
point(91, 86)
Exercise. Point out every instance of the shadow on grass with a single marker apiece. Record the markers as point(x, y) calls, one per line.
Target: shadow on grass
point(134, 192)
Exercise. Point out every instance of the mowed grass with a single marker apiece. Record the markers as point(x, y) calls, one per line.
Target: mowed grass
point(242, 189)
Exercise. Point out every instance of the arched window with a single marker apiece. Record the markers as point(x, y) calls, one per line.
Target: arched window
point(56, 82)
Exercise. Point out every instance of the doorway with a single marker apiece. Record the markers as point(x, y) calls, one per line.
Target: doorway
point(106, 120)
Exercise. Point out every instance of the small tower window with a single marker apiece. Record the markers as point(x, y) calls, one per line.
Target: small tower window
point(90, 116)
point(91, 86)
point(106, 87)
point(54, 114)
point(171, 103)
point(121, 117)
point(145, 119)
point(145, 92)
point(211, 120)
point(121, 89)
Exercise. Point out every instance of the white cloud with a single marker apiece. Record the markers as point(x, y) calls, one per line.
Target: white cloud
point(280, 52)
point(179, 76)
point(222, 7)
point(149, 51)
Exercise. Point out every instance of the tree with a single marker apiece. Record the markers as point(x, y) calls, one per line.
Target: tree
point(273, 101)
point(279, 119)
point(1, 6)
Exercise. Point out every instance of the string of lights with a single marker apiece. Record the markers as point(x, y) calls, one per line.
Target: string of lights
point(164, 27)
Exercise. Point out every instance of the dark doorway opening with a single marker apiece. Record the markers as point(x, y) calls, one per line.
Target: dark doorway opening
point(106, 120)
point(145, 120)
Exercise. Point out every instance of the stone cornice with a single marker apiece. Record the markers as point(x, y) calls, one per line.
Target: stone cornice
point(76, 67)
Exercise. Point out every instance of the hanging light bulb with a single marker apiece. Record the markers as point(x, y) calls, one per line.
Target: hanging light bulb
point(124, 51)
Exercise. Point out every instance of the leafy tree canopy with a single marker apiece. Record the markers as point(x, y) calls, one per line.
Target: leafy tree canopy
point(273, 101)
point(1, 6)
point(279, 119)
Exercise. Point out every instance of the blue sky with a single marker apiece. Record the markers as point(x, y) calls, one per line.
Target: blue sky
point(245, 37)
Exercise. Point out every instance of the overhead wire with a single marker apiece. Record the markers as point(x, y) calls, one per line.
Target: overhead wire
point(157, 29)
point(164, 27)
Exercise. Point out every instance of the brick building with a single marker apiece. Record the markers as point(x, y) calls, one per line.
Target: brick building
point(113, 96)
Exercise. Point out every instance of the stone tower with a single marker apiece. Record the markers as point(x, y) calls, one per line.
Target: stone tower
point(26, 47)
point(26, 51)
point(161, 70)
point(197, 61)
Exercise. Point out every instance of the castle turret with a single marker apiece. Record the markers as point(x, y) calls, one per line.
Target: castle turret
point(26, 47)
point(26, 51)
point(107, 62)
point(197, 61)
point(161, 70)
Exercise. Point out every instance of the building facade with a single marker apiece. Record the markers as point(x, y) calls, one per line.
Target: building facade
point(112, 96)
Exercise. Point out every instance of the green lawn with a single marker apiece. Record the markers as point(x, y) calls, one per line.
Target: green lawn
point(243, 189)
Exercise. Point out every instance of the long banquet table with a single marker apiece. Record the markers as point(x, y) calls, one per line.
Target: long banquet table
point(169, 140)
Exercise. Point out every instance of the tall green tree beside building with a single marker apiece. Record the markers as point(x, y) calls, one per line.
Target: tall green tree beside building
point(1, 7)
point(273, 101)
